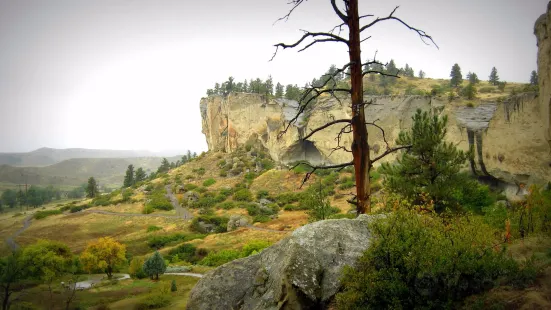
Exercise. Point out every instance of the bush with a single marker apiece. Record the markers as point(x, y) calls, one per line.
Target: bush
point(262, 194)
point(486, 89)
point(422, 262)
point(189, 187)
point(147, 209)
point(209, 182)
point(173, 287)
point(243, 195)
point(287, 198)
point(156, 242)
point(160, 201)
point(227, 205)
point(152, 228)
point(261, 218)
point(267, 164)
point(136, 268)
point(43, 214)
point(220, 223)
point(254, 246)
point(185, 252)
point(126, 194)
point(102, 201)
point(75, 209)
point(215, 259)
point(153, 301)
point(199, 171)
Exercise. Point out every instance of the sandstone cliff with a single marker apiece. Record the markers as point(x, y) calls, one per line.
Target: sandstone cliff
point(542, 30)
point(512, 138)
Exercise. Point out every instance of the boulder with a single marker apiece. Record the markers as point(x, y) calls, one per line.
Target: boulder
point(264, 202)
point(191, 196)
point(301, 271)
point(237, 221)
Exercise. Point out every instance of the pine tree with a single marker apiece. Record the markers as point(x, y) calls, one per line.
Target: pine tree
point(245, 87)
point(279, 90)
point(469, 91)
point(493, 78)
point(217, 89)
point(429, 171)
point(140, 175)
point(534, 78)
point(173, 287)
point(456, 76)
point(92, 188)
point(269, 85)
point(129, 177)
point(421, 74)
point(165, 166)
point(154, 266)
point(473, 78)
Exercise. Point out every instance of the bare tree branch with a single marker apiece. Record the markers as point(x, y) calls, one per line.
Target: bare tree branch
point(328, 37)
point(422, 34)
point(314, 168)
point(325, 126)
point(389, 151)
point(340, 14)
point(382, 131)
point(295, 3)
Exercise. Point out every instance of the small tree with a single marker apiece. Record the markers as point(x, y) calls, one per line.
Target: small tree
point(164, 167)
point(534, 78)
point(279, 92)
point(456, 76)
point(493, 78)
point(469, 91)
point(421, 74)
point(11, 272)
point(473, 78)
point(129, 177)
point(136, 268)
point(430, 169)
point(317, 204)
point(173, 287)
point(104, 254)
point(154, 266)
point(9, 198)
point(92, 188)
point(140, 175)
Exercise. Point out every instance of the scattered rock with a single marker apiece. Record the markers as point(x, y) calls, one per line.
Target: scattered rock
point(264, 202)
point(237, 221)
point(191, 196)
point(300, 272)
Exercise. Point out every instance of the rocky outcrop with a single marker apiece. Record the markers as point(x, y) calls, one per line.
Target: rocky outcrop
point(509, 137)
point(300, 272)
point(542, 30)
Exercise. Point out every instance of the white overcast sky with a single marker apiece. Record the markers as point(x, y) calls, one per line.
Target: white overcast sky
point(129, 74)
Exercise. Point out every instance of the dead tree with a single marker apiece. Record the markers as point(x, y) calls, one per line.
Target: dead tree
point(357, 124)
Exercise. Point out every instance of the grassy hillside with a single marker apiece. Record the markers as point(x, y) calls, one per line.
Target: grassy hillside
point(74, 172)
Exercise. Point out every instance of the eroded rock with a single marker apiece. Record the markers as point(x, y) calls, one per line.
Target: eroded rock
point(300, 272)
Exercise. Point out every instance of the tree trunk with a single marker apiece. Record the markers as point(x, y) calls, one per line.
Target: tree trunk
point(6, 301)
point(360, 147)
point(109, 272)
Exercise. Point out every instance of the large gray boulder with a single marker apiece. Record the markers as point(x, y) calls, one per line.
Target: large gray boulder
point(301, 271)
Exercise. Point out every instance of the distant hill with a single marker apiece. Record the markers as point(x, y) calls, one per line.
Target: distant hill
point(73, 172)
point(49, 156)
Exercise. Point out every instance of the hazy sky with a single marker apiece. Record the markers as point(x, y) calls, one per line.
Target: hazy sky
point(129, 74)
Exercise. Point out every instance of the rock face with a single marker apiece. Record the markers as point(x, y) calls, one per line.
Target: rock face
point(509, 137)
point(300, 272)
point(542, 30)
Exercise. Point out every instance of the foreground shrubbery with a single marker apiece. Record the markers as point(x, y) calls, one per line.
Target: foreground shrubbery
point(423, 262)
point(43, 214)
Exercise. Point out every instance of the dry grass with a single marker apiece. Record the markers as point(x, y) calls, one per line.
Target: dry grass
point(237, 239)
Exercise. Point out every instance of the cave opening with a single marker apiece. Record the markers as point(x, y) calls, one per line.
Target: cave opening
point(303, 150)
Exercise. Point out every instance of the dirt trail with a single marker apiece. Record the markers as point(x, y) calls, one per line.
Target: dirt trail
point(180, 211)
point(11, 239)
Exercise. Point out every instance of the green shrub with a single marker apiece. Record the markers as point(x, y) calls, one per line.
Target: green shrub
point(209, 182)
point(254, 209)
point(43, 214)
point(301, 168)
point(75, 209)
point(201, 190)
point(267, 164)
point(65, 208)
point(262, 194)
point(153, 301)
point(199, 171)
point(421, 262)
point(189, 187)
point(159, 241)
point(219, 258)
point(261, 218)
point(227, 205)
point(204, 202)
point(253, 247)
point(126, 194)
point(102, 201)
point(152, 228)
point(185, 252)
point(287, 198)
point(220, 223)
point(222, 163)
point(223, 173)
point(159, 201)
point(147, 209)
point(243, 195)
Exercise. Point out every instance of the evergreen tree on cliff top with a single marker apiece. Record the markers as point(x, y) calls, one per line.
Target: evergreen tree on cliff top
point(129, 177)
point(456, 76)
point(493, 78)
point(534, 78)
